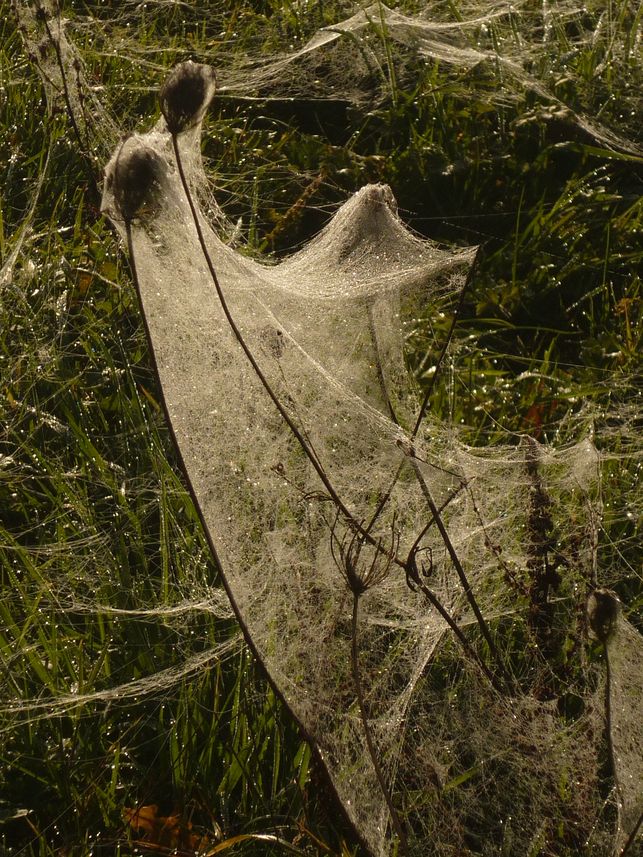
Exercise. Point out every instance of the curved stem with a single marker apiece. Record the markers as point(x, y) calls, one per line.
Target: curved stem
point(466, 645)
point(395, 819)
point(455, 559)
point(246, 349)
point(84, 144)
point(296, 432)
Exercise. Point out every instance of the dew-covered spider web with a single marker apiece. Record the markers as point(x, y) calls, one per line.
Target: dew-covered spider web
point(348, 528)
point(362, 543)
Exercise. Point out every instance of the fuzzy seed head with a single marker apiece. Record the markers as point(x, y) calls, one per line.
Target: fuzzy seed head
point(603, 609)
point(186, 95)
point(137, 177)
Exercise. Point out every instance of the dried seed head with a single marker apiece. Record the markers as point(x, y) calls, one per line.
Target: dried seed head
point(603, 608)
point(362, 563)
point(186, 95)
point(137, 180)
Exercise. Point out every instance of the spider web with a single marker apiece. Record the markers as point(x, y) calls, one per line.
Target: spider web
point(326, 328)
point(327, 537)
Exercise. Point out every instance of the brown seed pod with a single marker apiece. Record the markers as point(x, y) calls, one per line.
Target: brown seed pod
point(137, 179)
point(186, 95)
point(603, 608)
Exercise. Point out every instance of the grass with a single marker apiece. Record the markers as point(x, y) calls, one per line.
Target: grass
point(109, 607)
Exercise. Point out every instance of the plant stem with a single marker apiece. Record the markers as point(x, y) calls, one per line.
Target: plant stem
point(395, 819)
point(455, 559)
point(246, 349)
point(83, 143)
point(365, 532)
point(297, 433)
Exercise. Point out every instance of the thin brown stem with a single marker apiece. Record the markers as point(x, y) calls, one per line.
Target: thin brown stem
point(379, 367)
point(395, 819)
point(466, 645)
point(455, 559)
point(83, 143)
point(384, 500)
point(427, 396)
point(424, 530)
point(631, 839)
point(296, 432)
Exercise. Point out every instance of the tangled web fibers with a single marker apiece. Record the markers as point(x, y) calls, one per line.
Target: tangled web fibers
point(363, 546)
point(385, 573)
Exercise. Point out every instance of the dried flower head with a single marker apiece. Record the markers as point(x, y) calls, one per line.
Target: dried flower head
point(362, 563)
point(136, 180)
point(186, 95)
point(603, 608)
